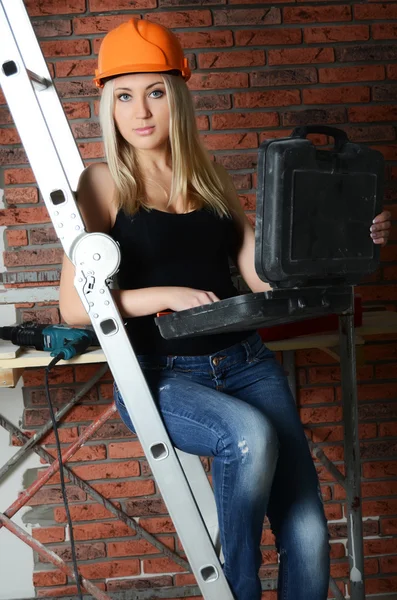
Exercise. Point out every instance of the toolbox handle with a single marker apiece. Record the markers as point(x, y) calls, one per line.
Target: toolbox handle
point(339, 135)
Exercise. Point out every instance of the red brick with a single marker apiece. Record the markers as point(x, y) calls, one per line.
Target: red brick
point(277, 77)
point(137, 547)
point(18, 176)
point(49, 578)
point(91, 149)
point(17, 237)
point(76, 89)
point(375, 11)
point(85, 453)
point(338, 551)
point(22, 195)
point(384, 31)
point(49, 535)
point(50, 256)
point(254, 16)
point(378, 586)
point(187, 18)
point(380, 469)
point(139, 583)
point(23, 216)
point(48, 495)
point(104, 5)
point(91, 551)
point(266, 98)
point(104, 570)
point(347, 74)
point(77, 110)
point(378, 488)
point(213, 81)
point(255, 120)
point(157, 525)
point(226, 141)
point(110, 470)
point(125, 450)
point(125, 489)
point(83, 512)
point(52, 27)
point(336, 95)
point(321, 415)
point(65, 48)
point(372, 113)
point(66, 590)
point(310, 14)
point(102, 24)
point(336, 33)
point(333, 512)
point(220, 60)
point(379, 507)
point(205, 39)
point(37, 8)
point(316, 395)
point(86, 372)
point(388, 429)
point(75, 68)
point(111, 529)
point(268, 37)
point(294, 56)
point(161, 565)
point(380, 546)
point(9, 136)
point(388, 564)
point(389, 526)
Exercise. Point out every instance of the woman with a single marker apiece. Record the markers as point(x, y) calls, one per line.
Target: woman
point(178, 219)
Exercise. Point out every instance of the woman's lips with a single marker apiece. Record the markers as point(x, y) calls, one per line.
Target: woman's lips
point(144, 130)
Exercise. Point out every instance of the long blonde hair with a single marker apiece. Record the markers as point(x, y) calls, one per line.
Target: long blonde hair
point(194, 177)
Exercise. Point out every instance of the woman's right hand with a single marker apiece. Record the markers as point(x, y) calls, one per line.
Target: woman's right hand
point(182, 298)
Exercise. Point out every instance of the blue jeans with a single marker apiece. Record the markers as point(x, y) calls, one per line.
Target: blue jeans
point(236, 406)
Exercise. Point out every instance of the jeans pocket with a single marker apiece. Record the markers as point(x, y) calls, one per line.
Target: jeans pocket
point(263, 354)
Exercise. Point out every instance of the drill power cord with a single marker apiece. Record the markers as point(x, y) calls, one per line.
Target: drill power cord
point(54, 361)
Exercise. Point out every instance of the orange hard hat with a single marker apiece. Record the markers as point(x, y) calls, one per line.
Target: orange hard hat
point(139, 46)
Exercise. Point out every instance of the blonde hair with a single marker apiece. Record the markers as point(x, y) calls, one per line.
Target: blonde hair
point(194, 177)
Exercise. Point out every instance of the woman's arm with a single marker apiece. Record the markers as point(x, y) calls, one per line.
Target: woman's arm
point(246, 253)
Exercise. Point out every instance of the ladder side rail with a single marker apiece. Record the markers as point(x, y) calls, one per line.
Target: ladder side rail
point(97, 257)
point(34, 61)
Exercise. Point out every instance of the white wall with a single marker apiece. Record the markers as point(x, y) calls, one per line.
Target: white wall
point(16, 558)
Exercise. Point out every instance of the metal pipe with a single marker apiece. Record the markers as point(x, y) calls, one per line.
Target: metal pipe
point(352, 453)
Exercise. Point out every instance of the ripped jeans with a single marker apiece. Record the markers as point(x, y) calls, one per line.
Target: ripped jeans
point(236, 406)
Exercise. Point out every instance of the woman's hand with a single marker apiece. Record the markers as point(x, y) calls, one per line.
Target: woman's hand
point(182, 298)
point(380, 230)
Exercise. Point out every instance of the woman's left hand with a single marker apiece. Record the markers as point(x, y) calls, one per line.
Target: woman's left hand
point(380, 230)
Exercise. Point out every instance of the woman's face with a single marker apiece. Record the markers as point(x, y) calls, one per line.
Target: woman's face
point(141, 110)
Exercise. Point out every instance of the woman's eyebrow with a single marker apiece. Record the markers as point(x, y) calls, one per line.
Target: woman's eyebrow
point(148, 87)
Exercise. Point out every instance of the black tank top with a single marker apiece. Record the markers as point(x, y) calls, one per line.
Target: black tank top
point(168, 249)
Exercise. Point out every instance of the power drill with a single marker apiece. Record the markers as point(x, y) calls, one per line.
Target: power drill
point(57, 339)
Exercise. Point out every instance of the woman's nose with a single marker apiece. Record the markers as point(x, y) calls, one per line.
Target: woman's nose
point(142, 110)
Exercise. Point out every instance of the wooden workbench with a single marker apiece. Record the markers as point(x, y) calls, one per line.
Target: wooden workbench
point(13, 359)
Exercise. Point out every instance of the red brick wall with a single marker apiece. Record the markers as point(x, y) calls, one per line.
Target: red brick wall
point(286, 65)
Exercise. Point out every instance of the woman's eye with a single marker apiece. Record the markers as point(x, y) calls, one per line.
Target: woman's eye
point(124, 97)
point(157, 92)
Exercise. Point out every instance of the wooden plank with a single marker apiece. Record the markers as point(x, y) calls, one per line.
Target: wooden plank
point(10, 377)
point(8, 350)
